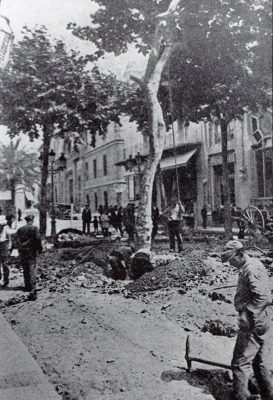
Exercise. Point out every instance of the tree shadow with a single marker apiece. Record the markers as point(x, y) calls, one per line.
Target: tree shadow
point(216, 382)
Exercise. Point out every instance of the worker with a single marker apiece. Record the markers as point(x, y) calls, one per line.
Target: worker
point(141, 262)
point(86, 219)
point(119, 262)
point(5, 244)
point(253, 347)
point(29, 244)
point(174, 213)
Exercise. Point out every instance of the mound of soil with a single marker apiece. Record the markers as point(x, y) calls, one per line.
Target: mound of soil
point(184, 272)
point(219, 328)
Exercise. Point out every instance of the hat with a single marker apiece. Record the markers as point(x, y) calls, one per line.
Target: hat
point(231, 249)
point(29, 218)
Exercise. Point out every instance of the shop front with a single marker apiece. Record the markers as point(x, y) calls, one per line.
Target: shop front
point(216, 190)
point(179, 176)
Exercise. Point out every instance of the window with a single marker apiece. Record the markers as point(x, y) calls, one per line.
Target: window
point(264, 168)
point(95, 168)
point(86, 171)
point(255, 131)
point(254, 124)
point(96, 201)
point(71, 191)
point(79, 189)
point(210, 134)
point(105, 196)
point(104, 165)
point(230, 132)
point(217, 133)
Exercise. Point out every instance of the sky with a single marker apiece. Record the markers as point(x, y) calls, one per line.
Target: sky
point(55, 15)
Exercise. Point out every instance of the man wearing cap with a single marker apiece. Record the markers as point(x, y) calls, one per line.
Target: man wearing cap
point(253, 348)
point(29, 244)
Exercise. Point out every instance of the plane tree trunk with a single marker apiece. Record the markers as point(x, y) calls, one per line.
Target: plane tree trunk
point(161, 51)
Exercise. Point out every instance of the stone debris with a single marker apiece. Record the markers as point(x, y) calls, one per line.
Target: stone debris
point(219, 328)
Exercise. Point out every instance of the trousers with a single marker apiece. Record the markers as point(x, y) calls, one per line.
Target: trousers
point(4, 258)
point(174, 232)
point(28, 263)
point(86, 225)
point(252, 351)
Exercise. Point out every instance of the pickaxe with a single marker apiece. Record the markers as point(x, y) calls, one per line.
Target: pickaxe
point(190, 359)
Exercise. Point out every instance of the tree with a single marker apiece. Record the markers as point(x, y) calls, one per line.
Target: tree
point(221, 85)
point(18, 166)
point(164, 28)
point(49, 92)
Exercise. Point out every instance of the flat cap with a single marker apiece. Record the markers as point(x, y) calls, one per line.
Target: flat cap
point(29, 217)
point(230, 249)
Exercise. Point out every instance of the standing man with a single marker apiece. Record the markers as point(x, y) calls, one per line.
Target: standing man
point(29, 244)
point(174, 214)
point(86, 219)
point(5, 244)
point(253, 348)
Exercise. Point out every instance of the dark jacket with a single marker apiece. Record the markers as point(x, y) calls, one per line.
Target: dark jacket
point(28, 240)
point(86, 215)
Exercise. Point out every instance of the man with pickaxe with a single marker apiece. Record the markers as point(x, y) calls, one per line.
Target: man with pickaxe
point(253, 348)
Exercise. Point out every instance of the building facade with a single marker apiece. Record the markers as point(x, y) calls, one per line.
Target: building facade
point(191, 164)
point(92, 175)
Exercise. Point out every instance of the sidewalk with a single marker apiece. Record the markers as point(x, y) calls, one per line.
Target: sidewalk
point(21, 378)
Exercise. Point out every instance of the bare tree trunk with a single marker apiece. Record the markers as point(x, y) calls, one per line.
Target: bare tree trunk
point(160, 54)
point(228, 221)
point(44, 176)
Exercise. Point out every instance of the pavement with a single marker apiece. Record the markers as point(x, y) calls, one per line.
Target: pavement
point(21, 378)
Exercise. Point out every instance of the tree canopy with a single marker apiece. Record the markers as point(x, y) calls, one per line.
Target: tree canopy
point(47, 86)
point(223, 54)
point(47, 91)
point(18, 166)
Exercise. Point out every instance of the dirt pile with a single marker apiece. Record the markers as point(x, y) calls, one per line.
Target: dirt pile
point(219, 328)
point(184, 272)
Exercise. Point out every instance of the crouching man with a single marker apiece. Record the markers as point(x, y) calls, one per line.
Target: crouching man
point(119, 261)
point(141, 262)
point(29, 244)
point(253, 348)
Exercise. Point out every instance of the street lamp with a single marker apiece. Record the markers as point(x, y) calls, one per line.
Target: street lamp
point(62, 162)
point(51, 157)
point(130, 163)
point(139, 162)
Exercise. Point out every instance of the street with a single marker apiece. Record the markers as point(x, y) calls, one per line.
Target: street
point(98, 338)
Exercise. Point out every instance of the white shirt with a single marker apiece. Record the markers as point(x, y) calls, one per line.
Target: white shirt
point(6, 235)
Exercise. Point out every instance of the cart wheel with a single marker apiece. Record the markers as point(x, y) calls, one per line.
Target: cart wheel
point(254, 221)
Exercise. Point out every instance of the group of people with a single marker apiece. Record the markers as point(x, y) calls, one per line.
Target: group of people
point(28, 242)
point(115, 216)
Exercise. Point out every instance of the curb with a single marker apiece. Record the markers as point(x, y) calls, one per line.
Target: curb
point(21, 378)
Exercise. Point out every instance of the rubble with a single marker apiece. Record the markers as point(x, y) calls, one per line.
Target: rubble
point(182, 272)
point(219, 328)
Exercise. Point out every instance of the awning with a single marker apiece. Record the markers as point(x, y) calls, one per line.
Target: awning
point(181, 160)
point(29, 196)
point(5, 195)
